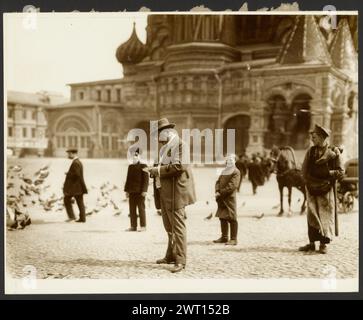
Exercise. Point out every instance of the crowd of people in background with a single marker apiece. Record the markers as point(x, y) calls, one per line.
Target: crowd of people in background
point(257, 167)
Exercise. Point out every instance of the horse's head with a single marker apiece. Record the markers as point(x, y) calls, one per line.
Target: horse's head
point(284, 161)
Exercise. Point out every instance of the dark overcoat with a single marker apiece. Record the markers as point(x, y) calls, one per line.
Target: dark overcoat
point(256, 174)
point(74, 184)
point(318, 167)
point(137, 180)
point(227, 185)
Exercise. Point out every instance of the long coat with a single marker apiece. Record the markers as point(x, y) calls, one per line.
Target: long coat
point(175, 176)
point(320, 209)
point(137, 180)
point(255, 174)
point(227, 185)
point(74, 184)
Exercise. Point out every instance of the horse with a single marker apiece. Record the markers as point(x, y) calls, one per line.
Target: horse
point(287, 175)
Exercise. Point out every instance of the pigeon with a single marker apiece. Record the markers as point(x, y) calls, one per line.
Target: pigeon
point(38, 182)
point(16, 168)
point(27, 180)
point(43, 175)
point(117, 213)
point(114, 205)
point(40, 172)
point(26, 191)
point(209, 217)
point(45, 167)
point(260, 216)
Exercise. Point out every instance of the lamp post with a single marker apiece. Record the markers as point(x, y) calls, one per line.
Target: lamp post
point(219, 80)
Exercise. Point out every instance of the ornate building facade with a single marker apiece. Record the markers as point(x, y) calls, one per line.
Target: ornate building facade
point(270, 77)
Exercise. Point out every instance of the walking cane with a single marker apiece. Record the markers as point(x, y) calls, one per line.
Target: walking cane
point(172, 212)
point(336, 209)
point(336, 199)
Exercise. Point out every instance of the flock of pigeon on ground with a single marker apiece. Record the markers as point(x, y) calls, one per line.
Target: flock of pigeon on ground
point(24, 191)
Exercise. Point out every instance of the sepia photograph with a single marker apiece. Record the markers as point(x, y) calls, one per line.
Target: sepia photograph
point(184, 152)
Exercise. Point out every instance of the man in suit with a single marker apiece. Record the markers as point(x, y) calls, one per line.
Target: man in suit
point(137, 182)
point(175, 182)
point(74, 186)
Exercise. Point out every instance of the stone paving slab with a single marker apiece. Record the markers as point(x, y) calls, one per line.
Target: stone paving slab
point(101, 249)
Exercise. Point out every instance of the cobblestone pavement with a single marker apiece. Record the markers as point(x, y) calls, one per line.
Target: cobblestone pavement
point(101, 249)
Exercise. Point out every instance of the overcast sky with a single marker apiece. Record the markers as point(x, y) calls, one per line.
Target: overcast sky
point(52, 50)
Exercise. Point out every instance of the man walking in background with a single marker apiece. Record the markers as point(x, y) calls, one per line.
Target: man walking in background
point(255, 173)
point(74, 187)
point(241, 165)
point(137, 182)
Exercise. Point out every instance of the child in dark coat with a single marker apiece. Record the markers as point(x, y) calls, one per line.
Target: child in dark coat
point(226, 187)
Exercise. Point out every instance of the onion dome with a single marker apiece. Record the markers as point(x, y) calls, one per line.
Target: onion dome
point(132, 51)
point(305, 43)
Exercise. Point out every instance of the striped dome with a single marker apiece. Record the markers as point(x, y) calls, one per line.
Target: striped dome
point(131, 51)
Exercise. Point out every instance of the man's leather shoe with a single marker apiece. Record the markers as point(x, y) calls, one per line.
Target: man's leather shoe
point(308, 247)
point(231, 243)
point(80, 220)
point(178, 267)
point(164, 261)
point(221, 240)
point(323, 248)
point(130, 229)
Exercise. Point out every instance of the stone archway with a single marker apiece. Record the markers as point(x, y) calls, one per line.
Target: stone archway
point(288, 124)
point(300, 123)
point(277, 114)
point(72, 131)
point(241, 123)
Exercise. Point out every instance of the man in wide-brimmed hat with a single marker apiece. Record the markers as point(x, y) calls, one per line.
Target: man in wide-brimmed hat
point(175, 186)
point(321, 167)
point(74, 187)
